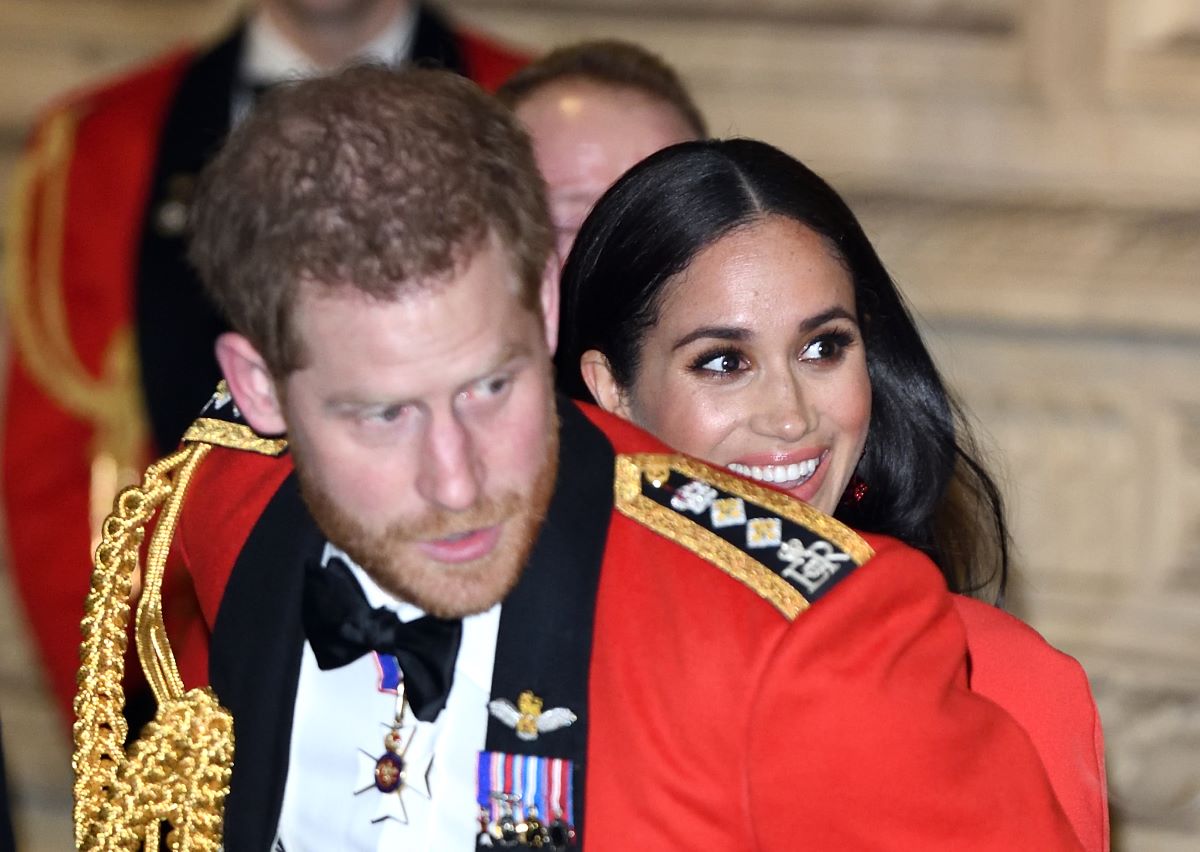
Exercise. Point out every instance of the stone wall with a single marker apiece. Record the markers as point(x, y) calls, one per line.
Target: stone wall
point(1030, 171)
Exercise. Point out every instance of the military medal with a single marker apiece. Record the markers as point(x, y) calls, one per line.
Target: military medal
point(525, 800)
point(393, 773)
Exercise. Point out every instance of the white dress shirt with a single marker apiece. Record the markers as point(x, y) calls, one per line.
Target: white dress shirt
point(341, 717)
point(268, 57)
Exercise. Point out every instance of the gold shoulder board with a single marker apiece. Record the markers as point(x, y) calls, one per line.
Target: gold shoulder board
point(786, 551)
point(221, 425)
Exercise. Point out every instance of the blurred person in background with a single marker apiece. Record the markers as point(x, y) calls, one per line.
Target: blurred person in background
point(106, 316)
point(593, 109)
point(724, 298)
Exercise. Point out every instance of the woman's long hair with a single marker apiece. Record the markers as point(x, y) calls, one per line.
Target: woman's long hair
point(925, 484)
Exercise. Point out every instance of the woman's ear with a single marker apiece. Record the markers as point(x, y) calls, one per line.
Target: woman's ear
point(598, 376)
point(251, 383)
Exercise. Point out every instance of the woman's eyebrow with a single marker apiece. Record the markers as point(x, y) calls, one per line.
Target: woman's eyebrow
point(739, 333)
point(825, 316)
point(718, 332)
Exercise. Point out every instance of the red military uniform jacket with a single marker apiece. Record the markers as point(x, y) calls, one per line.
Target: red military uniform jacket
point(1047, 692)
point(106, 317)
point(732, 692)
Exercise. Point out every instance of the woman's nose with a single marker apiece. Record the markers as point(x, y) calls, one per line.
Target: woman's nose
point(781, 411)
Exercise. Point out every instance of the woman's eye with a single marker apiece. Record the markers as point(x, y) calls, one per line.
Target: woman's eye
point(826, 347)
point(724, 363)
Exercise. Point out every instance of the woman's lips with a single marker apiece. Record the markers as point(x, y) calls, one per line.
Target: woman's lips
point(464, 547)
point(786, 471)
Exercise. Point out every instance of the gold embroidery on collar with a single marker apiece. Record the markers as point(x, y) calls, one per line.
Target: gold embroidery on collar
point(711, 547)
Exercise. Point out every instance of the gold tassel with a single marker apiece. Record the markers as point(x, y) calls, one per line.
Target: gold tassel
point(178, 770)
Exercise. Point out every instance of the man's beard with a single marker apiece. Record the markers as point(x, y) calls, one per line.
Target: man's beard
point(448, 590)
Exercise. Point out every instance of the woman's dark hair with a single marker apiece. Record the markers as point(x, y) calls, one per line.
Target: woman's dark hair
point(925, 484)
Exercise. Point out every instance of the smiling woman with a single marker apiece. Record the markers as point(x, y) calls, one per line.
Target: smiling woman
point(722, 296)
point(756, 363)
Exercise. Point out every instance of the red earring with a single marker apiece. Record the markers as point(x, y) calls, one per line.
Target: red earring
point(855, 491)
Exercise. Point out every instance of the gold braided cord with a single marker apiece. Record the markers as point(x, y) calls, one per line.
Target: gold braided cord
point(100, 726)
point(36, 308)
point(178, 771)
point(151, 636)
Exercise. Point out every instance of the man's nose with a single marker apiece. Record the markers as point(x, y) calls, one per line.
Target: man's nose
point(451, 475)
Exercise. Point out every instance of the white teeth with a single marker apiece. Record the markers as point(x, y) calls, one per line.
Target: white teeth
point(791, 474)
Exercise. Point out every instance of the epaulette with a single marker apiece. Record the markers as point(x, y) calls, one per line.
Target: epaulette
point(221, 424)
point(177, 771)
point(789, 553)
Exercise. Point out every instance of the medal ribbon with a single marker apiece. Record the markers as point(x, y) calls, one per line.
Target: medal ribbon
point(521, 783)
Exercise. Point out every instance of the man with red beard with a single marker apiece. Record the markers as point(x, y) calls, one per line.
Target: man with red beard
point(445, 610)
point(105, 315)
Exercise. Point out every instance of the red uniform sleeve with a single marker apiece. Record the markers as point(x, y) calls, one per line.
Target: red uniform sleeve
point(1047, 693)
point(865, 735)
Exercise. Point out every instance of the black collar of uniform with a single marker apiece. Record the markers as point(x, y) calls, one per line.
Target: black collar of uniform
point(254, 661)
point(544, 643)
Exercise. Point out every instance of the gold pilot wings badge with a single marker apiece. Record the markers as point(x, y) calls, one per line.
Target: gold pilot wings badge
point(528, 718)
point(789, 553)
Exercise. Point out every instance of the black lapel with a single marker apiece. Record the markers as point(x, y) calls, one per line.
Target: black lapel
point(175, 322)
point(544, 642)
point(434, 43)
point(254, 662)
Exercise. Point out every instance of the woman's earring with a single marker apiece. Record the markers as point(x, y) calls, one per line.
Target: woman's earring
point(855, 491)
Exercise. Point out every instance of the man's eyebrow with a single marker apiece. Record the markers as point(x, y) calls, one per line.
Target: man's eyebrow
point(511, 351)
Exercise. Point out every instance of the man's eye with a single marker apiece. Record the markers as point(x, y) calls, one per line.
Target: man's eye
point(487, 388)
point(387, 414)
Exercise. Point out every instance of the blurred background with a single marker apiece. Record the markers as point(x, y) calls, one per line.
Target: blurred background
point(1030, 171)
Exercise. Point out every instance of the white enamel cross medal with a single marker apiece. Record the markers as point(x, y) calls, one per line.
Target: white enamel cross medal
point(400, 768)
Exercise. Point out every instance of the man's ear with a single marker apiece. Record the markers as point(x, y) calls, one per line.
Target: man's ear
point(549, 295)
point(251, 383)
point(597, 375)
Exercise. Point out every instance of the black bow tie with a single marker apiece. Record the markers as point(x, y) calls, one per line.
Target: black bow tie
point(341, 626)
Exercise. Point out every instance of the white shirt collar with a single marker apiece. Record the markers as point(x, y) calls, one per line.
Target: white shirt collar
point(268, 56)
